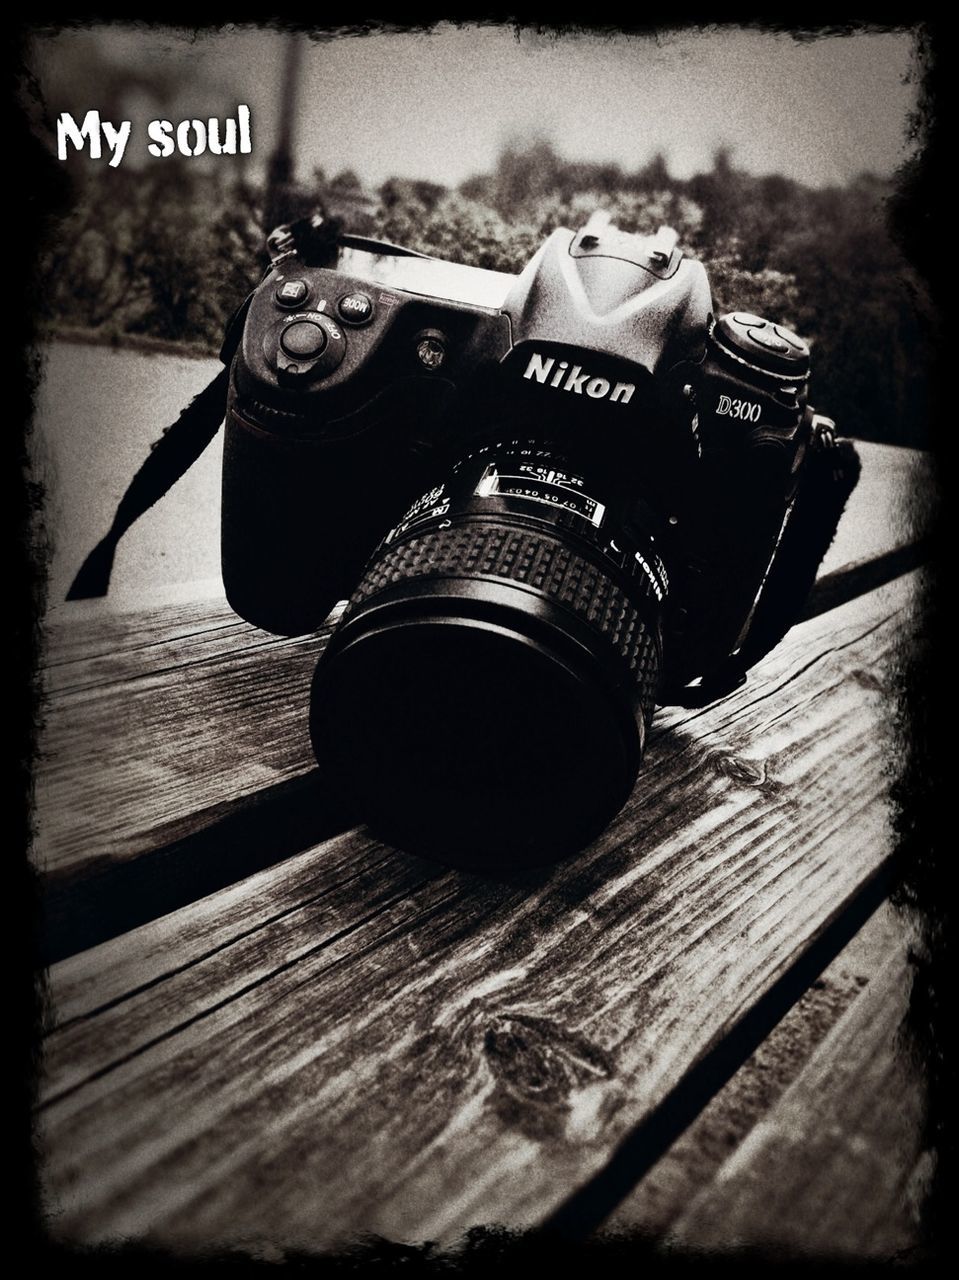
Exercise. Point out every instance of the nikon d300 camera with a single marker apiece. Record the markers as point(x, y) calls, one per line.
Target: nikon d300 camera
point(552, 500)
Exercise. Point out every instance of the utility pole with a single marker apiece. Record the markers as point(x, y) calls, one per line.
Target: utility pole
point(280, 201)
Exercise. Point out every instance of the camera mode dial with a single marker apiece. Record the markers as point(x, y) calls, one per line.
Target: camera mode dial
point(306, 344)
point(762, 345)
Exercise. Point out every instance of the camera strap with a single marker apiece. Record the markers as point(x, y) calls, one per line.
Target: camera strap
point(169, 458)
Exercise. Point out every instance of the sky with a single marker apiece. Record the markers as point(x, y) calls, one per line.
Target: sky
point(441, 104)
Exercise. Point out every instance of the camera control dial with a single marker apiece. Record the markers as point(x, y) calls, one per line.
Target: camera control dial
point(306, 344)
point(764, 346)
point(305, 339)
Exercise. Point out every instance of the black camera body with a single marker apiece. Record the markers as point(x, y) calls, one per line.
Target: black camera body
point(553, 499)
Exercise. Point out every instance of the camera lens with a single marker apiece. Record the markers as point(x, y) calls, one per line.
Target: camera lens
point(486, 697)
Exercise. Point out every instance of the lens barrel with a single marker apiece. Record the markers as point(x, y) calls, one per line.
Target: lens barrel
point(486, 697)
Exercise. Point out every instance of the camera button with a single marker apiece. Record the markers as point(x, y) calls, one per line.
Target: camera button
point(355, 308)
point(749, 321)
point(768, 340)
point(291, 293)
point(791, 338)
point(303, 339)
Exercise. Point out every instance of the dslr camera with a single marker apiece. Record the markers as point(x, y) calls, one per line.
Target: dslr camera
point(552, 501)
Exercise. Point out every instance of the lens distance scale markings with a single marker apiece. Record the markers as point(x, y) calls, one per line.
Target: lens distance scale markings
point(538, 483)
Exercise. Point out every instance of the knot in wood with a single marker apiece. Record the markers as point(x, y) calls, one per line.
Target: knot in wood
point(744, 773)
point(867, 679)
point(536, 1065)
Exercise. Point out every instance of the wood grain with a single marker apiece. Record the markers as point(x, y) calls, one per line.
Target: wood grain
point(139, 762)
point(90, 642)
point(246, 1085)
point(837, 1167)
point(99, 646)
point(694, 1159)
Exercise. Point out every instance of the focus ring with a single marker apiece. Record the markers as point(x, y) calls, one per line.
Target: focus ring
point(481, 550)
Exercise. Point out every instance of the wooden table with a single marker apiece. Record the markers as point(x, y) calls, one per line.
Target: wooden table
point(268, 1031)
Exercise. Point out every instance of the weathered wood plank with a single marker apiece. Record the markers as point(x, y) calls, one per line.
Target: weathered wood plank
point(104, 647)
point(690, 1165)
point(528, 1023)
point(112, 1000)
point(102, 974)
point(80, 634)
point(837, 1167)
point(138, 764)
point(83, 981)
point(157, 649)
point(238, 840)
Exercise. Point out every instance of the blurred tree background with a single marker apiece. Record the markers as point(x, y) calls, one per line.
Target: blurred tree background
point(169, 251)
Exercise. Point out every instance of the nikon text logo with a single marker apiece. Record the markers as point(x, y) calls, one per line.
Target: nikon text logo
point(574, 379)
